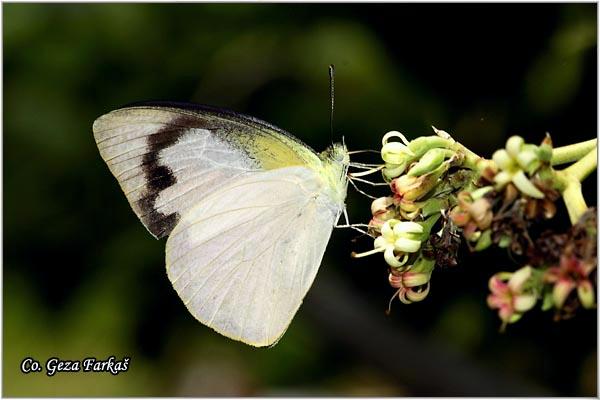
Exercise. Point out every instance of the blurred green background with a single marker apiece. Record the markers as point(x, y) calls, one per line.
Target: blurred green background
point(82, 277)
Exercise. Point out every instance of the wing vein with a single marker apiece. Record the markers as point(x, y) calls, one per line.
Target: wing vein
point(175, 234)
point(235, 268)
point(198, 245)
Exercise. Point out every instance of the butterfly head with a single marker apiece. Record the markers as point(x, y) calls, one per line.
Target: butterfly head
point(335, 160)
point(337, 153)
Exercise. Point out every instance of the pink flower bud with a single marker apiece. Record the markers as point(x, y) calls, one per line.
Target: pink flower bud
point(481, 212)
point(380, 205)
point(412, 188)
point(459, 216)
point(395, 281)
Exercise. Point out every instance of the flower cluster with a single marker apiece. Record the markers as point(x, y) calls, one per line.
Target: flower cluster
point(562, 278)
point(510, 195)
point(525, 191)
point(518, 162)
point(440, 192)
point(570, 269)
point(420, 181)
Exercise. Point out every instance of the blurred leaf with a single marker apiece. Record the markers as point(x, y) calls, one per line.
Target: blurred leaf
point(556, 75)
point(460, 325)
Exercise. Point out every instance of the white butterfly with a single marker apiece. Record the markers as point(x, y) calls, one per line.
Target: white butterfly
point(248, 209)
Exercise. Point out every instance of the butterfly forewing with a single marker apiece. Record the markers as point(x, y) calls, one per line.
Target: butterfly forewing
point(167, 159)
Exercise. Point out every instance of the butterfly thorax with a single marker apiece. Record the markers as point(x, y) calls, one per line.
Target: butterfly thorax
point(334, 162)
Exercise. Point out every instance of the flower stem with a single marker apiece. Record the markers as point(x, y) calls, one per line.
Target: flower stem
point(574, 201)
point(472, 160)
point(582, 168)
point(573, 152)
point(569, 183)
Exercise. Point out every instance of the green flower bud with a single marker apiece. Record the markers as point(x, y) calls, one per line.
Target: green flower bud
point(430, 161)
point(409, 206)
point(544, 153)
point(544, 150)
point(394, 153)
point(392, 171)
point(514, 145)
point(422, 144)
point(428, 225)
point(397, 155)
point(412, 188)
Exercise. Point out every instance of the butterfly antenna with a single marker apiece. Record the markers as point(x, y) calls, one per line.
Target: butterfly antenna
point(331, 97)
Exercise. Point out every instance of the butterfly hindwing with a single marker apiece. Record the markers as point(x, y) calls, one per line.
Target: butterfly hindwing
point(243, 259)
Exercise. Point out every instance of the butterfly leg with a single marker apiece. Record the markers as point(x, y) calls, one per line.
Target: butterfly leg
point(356, 227)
